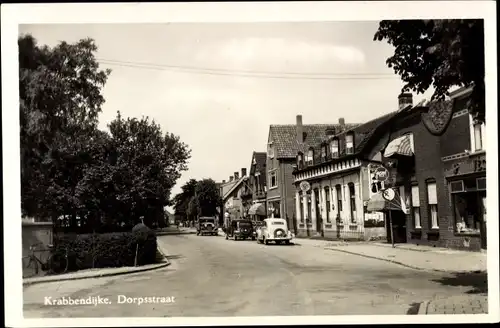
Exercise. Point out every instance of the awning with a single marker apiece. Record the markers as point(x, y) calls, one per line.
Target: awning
point(400, 146)
point(257, 209)
point(377, 203)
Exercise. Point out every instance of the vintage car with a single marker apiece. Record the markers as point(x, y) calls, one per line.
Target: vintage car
point(240, 229)
point(206, 226)
point(274, 230)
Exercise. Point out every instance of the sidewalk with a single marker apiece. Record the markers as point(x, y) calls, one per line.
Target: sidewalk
point(412, 256)
point(463, 304)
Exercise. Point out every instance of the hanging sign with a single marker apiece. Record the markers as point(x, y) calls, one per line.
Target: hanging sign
point(388, 194)
point(305, 186)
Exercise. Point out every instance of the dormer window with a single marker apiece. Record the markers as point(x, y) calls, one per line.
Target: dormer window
point(349, 143)
point(300, 161)
point(270, 150)
point(310, 157)
point(323, 152)
point(334, 148)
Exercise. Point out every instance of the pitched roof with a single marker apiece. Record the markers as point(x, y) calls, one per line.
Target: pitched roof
point(284, 137)
point(233, 187)
point(260, 162)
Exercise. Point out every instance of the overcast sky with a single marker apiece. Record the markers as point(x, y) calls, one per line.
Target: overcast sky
point(217, 109)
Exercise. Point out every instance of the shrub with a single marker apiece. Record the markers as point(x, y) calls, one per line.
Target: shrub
point(108, 250)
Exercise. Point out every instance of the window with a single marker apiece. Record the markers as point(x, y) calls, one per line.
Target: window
point(467, 209)
point(478, 138)
point(300, 161)
point(477, 134)
point(270, 150)
point(432, 201)
point(334, 148)
point(310, 157)
point(338, 188)
point(352, 200)
point(349, 143)
point(328, 205)
point(415, 202)
point(309, 206)
point(301, 207)
point(323, 152)
point(273, 180)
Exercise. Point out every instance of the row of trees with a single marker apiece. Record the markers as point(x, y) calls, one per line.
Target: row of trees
point(198, 198)
point(73, 173)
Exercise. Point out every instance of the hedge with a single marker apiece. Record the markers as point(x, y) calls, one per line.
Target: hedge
point(108, 250)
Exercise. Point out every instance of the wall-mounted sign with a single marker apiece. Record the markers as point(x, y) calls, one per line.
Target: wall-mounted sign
point(388, 194)
point(467, 166)
point(305, 186)
point(381, 174)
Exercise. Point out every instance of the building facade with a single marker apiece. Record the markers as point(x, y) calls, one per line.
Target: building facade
point(284, 141)
point(256, 190)
point(440, 179)
point(232, 192)
point(332, 183)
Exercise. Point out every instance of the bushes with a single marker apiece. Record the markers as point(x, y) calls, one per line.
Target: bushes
point(108, 250)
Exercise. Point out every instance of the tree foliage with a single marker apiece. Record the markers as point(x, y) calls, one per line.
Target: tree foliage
point(197, 198)
point(70, 168)
point(438, 53)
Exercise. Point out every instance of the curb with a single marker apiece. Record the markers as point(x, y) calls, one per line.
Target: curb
point(422, 309)
point(101, 275)
point(387, 260)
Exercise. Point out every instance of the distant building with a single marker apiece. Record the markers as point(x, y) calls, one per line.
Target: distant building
point(284, 142)
point(231, 192)
point(254, 194)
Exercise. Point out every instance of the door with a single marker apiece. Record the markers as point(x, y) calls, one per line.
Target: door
point(319, 217)
point(398, 226)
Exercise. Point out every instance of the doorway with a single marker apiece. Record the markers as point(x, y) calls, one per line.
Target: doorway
point(398, 218)
point(319, 217)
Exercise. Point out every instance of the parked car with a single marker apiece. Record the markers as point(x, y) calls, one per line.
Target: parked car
point(206, 226)
point(274, 230)
point(240, 229)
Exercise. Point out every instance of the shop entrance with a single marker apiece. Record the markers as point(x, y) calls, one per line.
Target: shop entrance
point(398, 226)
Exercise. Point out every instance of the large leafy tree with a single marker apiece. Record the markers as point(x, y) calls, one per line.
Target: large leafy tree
point(208, 197)
point(182, 199)
point(60, 99)
point(438, 53)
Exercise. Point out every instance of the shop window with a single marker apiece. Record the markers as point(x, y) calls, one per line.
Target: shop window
point(352, 201)
point(273, 180)
point(328, 204)
point(334, 148)
point(477, 134)
point(349, 143)
point(432, 202)
point(415, 202)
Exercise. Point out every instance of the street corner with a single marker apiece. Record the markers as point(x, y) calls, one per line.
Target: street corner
point(96, 273)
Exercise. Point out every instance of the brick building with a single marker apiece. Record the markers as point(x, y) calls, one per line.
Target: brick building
point(440, 179)
point(231, 192)
point(284, 141)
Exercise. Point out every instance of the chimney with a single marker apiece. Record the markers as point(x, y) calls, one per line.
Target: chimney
point(342, 124)
point(236, 175)
point(231, 178)
point(223, 181)
point(405, 100)
point(243, 172)
point(300, 129)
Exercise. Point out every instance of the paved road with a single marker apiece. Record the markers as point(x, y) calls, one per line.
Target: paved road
point(211, 276)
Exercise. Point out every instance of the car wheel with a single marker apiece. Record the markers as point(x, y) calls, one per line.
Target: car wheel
point(266, 241)
point(253, 238)
point(227, 237)
point(235, 238)
point(287, 242)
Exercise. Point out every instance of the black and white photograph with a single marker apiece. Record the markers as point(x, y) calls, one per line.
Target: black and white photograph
point(250, 163)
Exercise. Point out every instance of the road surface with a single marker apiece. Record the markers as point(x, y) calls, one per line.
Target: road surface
point(211, 276)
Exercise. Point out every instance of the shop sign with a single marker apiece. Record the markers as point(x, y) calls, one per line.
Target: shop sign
point(470, 165)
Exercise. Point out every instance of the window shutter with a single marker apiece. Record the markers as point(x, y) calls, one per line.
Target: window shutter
point(431, 193)
point(415, 197)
